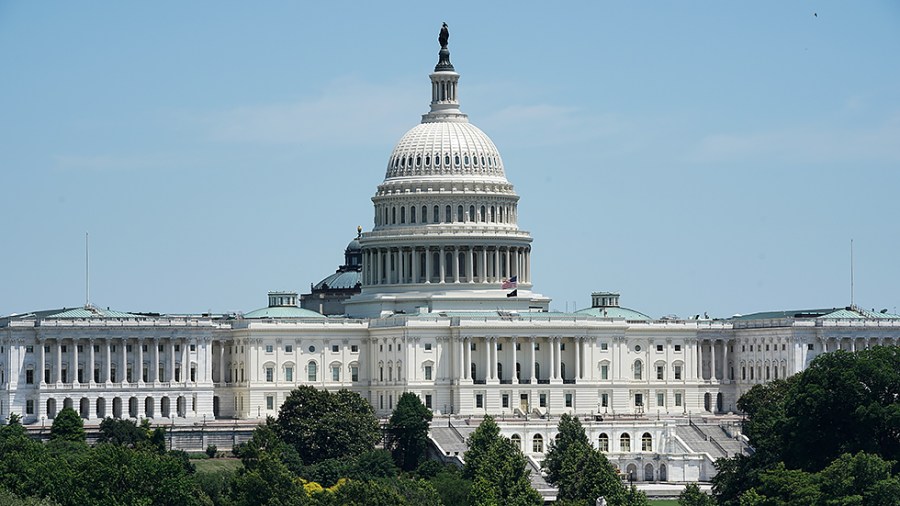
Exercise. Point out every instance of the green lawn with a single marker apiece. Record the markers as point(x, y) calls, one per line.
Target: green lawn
point(212, 466)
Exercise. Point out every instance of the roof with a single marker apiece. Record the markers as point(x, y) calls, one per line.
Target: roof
point(341, 280)
point(279, 312)
point(614, 312)
point(89, 312)
point(845, 313)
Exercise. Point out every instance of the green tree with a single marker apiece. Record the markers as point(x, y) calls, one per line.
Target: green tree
point(269, 482)
point(693, 496)
point(407, 431)
point(67, 426)
point(581, 473)
point(121, 432)
point(373, 465)
point(633, 497)
point(479, 443)
point(452, 488)
point(321, 425)
point(502, 478)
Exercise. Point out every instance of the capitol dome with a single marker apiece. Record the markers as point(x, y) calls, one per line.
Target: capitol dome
point(445, 149)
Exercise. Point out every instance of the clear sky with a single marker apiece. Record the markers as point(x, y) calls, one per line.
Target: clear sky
point(695, 156)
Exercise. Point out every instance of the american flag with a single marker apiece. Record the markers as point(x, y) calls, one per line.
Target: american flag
point(510, 283)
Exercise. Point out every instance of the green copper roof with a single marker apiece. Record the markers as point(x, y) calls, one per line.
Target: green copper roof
point(614, 312)
point(835, 313)
point(283, 312)
point(91, 312)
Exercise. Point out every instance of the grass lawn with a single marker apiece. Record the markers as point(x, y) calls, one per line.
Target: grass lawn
point(212, 466)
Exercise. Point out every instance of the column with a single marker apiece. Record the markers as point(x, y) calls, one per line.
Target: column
point(154, 373)
point(462, 360)
point(712, 360)
point(186, 361)
point(74, 362)
point(513, 342)
point(467, 361)
point(58, 360)
point(558, 356)
point(526, 266)
point(43, 360)
point(415, 264)
point(699, 355)
point(533, 360)
point(139, 365)
point(725, 367)
point(123, 376)
point(514, 261)
point(506, 265)
point(455, 265)
point(470, 265)
point(443, 262)
point(496, 256)
point(90, 370)
point(171, 361)
point(577, 358)
point(401, 275)
point(484, 265)
point(428, 267)
point(495, 358)
point(222, 375)
point(488, 363)
point(108, 365)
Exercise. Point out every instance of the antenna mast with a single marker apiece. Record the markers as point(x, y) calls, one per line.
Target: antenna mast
point(851, 274)
point(87, 272)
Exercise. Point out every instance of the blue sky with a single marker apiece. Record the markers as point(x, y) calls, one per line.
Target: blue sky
point(694, 156)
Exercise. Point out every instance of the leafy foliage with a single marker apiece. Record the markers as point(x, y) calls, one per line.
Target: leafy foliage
point(499, 469)
point(67, 426)
point(122, 433)
point(407, 431)
point(322, 425)
point(693, 496)
point(479, 443)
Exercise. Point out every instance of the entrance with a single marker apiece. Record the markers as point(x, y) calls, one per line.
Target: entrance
point(523, 403)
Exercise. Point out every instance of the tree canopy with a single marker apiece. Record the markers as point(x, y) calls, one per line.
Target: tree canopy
point(498, 469)
point(67, 426)
point(407, 431)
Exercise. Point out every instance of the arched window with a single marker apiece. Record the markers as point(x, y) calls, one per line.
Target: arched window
point(625, 443)
point(537, 444)
point(501, 213)
point(424, 214)
point(393, 216)
point(467, 160)
point(472, 213)
point(312, 371)
point(603, 442)
point(427, 160)
point(446, 159)
point(448, 216)
point(646, 442)
point(418, 161)
point(516, 440)
point(638, 370)
point(459, 214)
point(483, 216)
point(412, 214)
point(402, 215)
point(456, 160)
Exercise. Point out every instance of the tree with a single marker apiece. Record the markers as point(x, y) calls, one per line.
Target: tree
point(452, 488)
point(121, 432)
point(581, 472)
point(479, 443)
point(407, 431)
point(67, 426)
point(502, 478)
point(321, 425)
point(693, 496)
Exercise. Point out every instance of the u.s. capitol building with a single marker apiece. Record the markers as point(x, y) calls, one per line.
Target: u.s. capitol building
point(436, 299)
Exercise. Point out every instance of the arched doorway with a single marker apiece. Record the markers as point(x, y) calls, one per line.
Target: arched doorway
point(719, 402)
point(117, 407)
point(84, 407)
point(216, 406)
point(631, 471)
point(68, 403)
point(707, 402)
point(648, 472)
point(51, 408)
point(133, 407)
point(663, 475)
point(148, 407)
point(181, 407)
point(101, 408)
point(164, 407)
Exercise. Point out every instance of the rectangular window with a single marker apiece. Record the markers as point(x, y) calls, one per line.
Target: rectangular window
point(604, 346)
point(128, 376)
point(677, 348)
point(269, 348)
point(177, 374)
point(809, 346)
point(80, 375)
point(193, 347)
point(334, 348)
point(289, 348)
point(381, 402)
point(127, 348)
point(568, 400)
point(767, 347)
point(146, 375)
point(678, 372)
point(29, 349)
point(428, 401)
point(604, 372)
point(336, 373)
point(80, 348)
point(659, 347)
point(390, 347)
point(678, 399)
point(177, 348)
point(47, 376)
point(354, 373)
point(193, 374)
point(158, 348)
point(354, 348)
point(380, 347)
point(542, 400)
point(112, 375)
point(270, 374)
point(29, 407)
point(29, 376)
point(289, 373)
point(504, 400)
point(161, 373)
point(660, 372)
point(428, 372)
point(270, 402)
point(537, 346)
point(479, 400)
point(562, 346)
point(64, 376)
point(661, 400)
point(62, 348)
point(143, 348)
point(427, 346)
point(604, 400)
point(518, 346)
point(782, 347)
point(638, 399)
point(472, 346)
point(46, 349)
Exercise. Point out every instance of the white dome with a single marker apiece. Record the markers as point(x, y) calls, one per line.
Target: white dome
point(445, 149)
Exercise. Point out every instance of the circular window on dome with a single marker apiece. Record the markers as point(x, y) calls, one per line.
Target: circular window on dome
point(403, 162)
point(446, 159)
point(482, 160)
point(396, 162)
point(490, 162)
point(467, 160)
point(312, 349)
point(427, 160)
point(475, 160)
point(637, 348)
point(456, 160)
point(409, 161)
point(418, 161)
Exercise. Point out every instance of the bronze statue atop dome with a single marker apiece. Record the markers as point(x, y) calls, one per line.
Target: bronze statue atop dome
point(444, 36)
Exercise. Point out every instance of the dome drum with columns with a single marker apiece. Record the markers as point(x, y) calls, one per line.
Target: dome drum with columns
point(445, 233)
